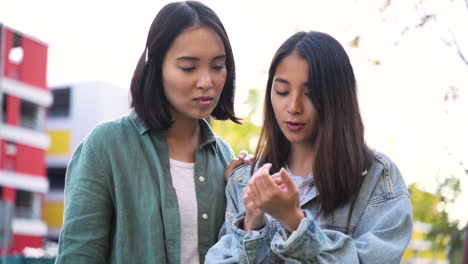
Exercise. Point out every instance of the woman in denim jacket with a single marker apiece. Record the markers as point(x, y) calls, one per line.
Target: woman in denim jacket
point(315, 192)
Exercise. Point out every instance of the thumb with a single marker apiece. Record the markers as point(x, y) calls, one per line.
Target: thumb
point(287, 180)
point(266, 167)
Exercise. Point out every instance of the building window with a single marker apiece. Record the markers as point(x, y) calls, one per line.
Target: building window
point(28, 205)
point(56, 178)
point(61, 105)
point(16, 54)
point(4, 108)
point(32, 116)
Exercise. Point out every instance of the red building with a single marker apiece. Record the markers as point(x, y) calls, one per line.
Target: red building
point(24, 97)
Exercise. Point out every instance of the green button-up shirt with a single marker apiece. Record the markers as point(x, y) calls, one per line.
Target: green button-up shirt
point(120, 204)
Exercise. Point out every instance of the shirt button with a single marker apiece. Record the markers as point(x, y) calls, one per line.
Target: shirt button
point(204, 216)
point(201, 178)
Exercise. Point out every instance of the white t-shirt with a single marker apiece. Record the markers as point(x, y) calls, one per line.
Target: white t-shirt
point(184, 184)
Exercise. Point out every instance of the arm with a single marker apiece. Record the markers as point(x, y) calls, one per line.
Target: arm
point(381, 236)
point(85, 236)
point(385, 227)
point(237, 245)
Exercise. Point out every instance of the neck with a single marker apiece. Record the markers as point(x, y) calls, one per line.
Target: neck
point(184, 131)
point(301, 159)
point(183, 138)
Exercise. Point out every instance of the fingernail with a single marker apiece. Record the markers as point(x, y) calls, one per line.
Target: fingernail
point(242, 153)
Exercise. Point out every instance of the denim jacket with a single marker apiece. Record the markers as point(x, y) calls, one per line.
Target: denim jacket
point(377, 229)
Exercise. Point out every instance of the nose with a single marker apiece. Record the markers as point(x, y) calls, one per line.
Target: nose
point(295, 105)
point(204, 81)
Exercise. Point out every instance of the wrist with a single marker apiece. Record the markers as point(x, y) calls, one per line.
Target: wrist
point(293, 220)
point(253, 223)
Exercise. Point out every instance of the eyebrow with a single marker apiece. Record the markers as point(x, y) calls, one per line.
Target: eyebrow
point(222, 56)
point(281, 80)
point(190, 58)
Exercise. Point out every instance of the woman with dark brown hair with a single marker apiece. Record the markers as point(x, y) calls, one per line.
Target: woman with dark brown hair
point(149, 187)
point(315, 192)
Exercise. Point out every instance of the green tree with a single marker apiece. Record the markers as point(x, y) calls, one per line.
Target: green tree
point(243, 136)
point(445, 234)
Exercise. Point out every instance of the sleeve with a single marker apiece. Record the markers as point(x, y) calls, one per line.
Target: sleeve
point(85, 236)
point(235, 244)
point(382, 235)
point(387, 235)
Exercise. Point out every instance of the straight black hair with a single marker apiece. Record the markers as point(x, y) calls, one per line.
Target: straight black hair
point(342, 154)
point(148, 98)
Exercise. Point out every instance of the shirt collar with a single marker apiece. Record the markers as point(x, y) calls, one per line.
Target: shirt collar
point(208, 137)
point(139, 124)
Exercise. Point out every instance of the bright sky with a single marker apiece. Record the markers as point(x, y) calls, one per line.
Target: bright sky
point(401, 99)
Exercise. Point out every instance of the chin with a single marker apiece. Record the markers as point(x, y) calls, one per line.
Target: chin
point(201, 115)
point(296, 140)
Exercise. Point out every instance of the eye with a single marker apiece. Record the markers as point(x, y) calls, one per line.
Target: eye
point(218, 67)
point(281, 93)
point(187, 69)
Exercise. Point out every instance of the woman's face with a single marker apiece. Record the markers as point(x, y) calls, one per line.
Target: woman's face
point(292, 105)
point(194, 73)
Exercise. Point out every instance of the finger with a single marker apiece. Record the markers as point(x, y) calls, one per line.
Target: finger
point(267, 186)
point(253, 191)
point(248, 158)
point(287, 180)
point(278, 180)
point(242, 154)
point(266, 168)
point(233, 165)
point(262, 170)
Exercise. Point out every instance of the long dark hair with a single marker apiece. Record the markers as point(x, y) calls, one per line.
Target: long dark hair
point(342, 154)
point(148, 98)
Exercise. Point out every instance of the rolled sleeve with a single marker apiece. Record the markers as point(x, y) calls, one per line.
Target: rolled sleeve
point(252, 245)
point(385, 234)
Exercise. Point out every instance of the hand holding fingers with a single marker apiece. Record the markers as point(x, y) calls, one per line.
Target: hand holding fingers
point(254, 217)
point(256, 185)
point(288, 182)
point(280, 201)
point(278, 181)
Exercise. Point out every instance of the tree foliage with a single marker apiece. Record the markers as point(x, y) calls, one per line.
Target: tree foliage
point(245, 136)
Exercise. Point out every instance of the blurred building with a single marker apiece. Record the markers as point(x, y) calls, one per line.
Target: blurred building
point(24, 97)
point(76, 110)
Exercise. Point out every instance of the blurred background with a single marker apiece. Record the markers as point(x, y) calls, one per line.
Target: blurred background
point(66, 66)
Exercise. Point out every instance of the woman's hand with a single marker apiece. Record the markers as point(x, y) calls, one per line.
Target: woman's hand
point(254, 217)
point(244, 157)
point(276, 195)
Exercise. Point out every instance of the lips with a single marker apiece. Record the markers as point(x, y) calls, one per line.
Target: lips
point(294, 126)
point(203, 100)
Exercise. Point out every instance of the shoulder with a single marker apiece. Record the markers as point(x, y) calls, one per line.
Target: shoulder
point(241, 175)
point(388, 180)
point(224, 147)
point(110, 136)
point(237, 181)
